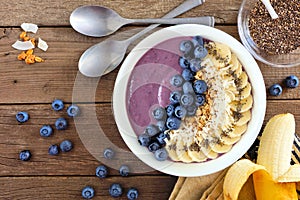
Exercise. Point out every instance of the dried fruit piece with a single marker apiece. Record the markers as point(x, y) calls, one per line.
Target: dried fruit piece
point(20, 45)
point(42, 45)
point(29, 27)
point(22, 56)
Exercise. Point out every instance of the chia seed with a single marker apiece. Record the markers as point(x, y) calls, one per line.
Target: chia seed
point(276, 36)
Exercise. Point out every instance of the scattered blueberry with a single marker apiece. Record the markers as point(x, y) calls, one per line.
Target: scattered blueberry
point(200, 52)
point(187, 75)
point(153, 146)
point(186, 46)
point(101, 171)
point(46, 131)
point(170, 110)
point(275, 90)
point(173, 123)
point(187, 99)
point(161, 125)
point(108, 153)
point(183, 62)
point(115, 190)
point(195, 65)
point(57, 105)
point(159, 113)
point(144, 139)
point(198, 40)
point(61, 123)
point(88, 192)
point(132, 194)
point(200, 86)
point(53, 150)
point(161, 138)
point(187, 88)
point(161, 154)
point(175, 97)
point(73, 110)
point(180, 112)
point(25, 155)
point(151, 130)
point(124, 170)
point(66, 146)
point(22, 117)
point(176, 80)
point(291, 81)
point(191, 110)
point(200, 99)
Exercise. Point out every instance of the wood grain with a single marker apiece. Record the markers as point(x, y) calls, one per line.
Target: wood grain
point(65, 187)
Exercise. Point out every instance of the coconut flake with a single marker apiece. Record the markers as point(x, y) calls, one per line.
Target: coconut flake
point(23, 45)
point(42, 45)
point(29, 27)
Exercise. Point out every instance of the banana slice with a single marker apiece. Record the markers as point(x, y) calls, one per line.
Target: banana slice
point(223, 51)
point(196, 155)
point(220, 147)
point(230, 94)
point(182, 152)
point(171, 148)
point(238, 130)
point(243, 105)
point(244, 118)
point(230, 140)
point(207, 151)
point(242, 80)
point(244, 93)
point(219, 54)
point(234, 62)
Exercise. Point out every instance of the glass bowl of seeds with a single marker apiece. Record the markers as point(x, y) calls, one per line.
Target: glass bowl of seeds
point(275, 42)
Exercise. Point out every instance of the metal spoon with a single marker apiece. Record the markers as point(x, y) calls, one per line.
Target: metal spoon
point(98, 21)
point(105, 56)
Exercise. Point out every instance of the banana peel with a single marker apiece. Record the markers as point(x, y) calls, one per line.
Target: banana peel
point(273, 175)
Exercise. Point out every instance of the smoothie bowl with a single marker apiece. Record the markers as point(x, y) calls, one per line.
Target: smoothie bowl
point(189, 100)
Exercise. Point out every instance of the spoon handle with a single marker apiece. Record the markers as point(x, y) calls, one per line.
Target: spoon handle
point(206, 20)
point(182, 8)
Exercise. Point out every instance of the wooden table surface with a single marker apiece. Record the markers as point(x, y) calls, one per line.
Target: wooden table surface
point(32, 88)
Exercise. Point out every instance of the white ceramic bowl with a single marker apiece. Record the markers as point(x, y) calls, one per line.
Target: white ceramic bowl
point(191, 169)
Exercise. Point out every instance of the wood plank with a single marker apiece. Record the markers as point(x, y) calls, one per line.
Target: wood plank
point(56, 76)
point(149, 187)
point(16, 137)
point(57, 14)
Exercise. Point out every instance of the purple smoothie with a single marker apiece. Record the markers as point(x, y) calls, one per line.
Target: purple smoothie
point(149, 83)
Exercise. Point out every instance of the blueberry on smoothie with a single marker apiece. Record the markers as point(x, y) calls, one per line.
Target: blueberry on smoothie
point(198, 40)
point(291, 81)
point(191, 110)
point(22, 117)
point(195, 65)
point(151, 130)
point(176, 80)
point(187, 75)
point(161, 125)
point(159, 113)
point(275, 89)
point(200, 86)
point(161, 154)
point(200, 99)
point(183, 62)
point(180, 112)
point(161, 138)
point(187, 99)
point(173, 123)
point(186, 46)
point(187, 88)
point(200, 52)
point(170, 109)
point(175, 97)
point(144, 139)
point(154, 146)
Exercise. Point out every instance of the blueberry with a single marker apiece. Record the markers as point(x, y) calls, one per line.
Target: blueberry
point(161, 154)
point(161, 125)
point(154, 146)
point(200, 99)
point(115, 190)
point(176, 80)
point(198, 40)
point(73, 111)
point(291, 81)
point(161, 138)
point(195, 65)
point(173, 123)
point(25, 155)
point(180, 112)
point(66, 146)
point(151, 130)
point(170, 109)
point(275, 90)
point(22, 117)
point(132, 194)
point(186, 46)
point(57, 105)
point(53, 150)
point(61, 123)
point(108, 153)
point(187, 99)
point(200, 52)
point(183, 63)
point(46, 131)
point(187, 88)
point(88, 192)
point(124, 170)
point(159, 113)
point(187, 75)
point(175, 97)
point(191, 110)
point(101, 171)
point(144, 139)
point(200, 86)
